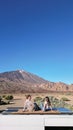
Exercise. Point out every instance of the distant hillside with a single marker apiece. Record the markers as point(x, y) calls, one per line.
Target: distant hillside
point(22, 76)
point(21, 82)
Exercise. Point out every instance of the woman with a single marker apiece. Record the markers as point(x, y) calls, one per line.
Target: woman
point(28, 105)
point(46, 105)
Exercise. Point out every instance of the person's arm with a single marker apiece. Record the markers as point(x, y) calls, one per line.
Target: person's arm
point(50, 106)
point(32, 105)
point(25, 106)
point(44, 106)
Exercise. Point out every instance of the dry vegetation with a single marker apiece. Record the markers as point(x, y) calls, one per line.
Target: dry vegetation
point(19, 99)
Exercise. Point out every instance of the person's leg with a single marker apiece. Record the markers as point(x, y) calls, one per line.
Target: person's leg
point(42, 107)
point(36, 107)
point(47, 109)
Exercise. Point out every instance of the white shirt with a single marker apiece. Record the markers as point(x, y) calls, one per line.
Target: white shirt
point(28, 105)
point(46, 105)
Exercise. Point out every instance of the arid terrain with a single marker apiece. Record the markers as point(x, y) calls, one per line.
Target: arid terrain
point(18, 83)
point(19, 99)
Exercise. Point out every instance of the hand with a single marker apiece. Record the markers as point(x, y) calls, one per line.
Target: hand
point(23, 110)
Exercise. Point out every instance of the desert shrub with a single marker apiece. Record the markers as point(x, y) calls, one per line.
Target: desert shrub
point(4, 102)
point(68, 93)
point(38, 100)
point(0, 98)
point(4, 96)
point(55, 102)
point(9, 97)
point(71, 107)
point(65, 99)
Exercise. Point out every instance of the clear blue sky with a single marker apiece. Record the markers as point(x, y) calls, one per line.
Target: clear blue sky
point(37, 36)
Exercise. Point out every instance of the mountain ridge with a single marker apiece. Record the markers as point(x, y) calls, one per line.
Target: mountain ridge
point(21, 74)
point(21, 81)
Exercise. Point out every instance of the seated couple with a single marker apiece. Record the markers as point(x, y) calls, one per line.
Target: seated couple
point(29, 105)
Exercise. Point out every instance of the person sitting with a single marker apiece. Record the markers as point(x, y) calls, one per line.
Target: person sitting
point(28, 104)
point(46, 105)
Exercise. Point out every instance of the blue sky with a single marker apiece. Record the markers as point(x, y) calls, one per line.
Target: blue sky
point(37, 36)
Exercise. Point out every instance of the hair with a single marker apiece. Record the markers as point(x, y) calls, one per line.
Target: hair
point(27, 96)
point(48, 100)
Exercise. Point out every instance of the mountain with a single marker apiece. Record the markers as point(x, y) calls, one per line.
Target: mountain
point(22, 76)
point(20, 81)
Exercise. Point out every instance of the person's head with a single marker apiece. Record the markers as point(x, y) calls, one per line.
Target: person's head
point(28, 97)
point(47, 99)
